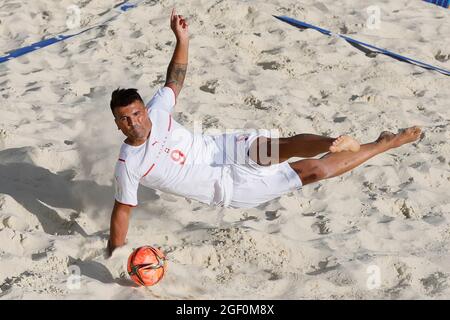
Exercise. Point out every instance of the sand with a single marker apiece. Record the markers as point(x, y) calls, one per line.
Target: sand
point(381, 231)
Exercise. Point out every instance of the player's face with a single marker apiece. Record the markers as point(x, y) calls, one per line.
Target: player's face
point(133, 121)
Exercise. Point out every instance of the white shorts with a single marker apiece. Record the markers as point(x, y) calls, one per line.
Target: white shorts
point(250, 184)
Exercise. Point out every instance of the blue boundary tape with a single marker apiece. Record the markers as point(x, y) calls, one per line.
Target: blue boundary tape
point(303, 25)
point(442, 3)
point(123, 7)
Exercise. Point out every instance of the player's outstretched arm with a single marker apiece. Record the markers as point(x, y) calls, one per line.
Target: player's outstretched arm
point(176, 71)
point(120, 218)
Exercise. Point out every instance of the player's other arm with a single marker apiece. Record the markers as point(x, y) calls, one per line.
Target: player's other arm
point(176, 70)
point(120, 218)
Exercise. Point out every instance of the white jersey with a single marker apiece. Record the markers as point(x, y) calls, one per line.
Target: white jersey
point(173, 159)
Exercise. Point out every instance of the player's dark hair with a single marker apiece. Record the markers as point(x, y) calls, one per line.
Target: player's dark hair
point(124, 97)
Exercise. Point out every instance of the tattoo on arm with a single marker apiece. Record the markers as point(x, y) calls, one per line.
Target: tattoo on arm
point(175, 74)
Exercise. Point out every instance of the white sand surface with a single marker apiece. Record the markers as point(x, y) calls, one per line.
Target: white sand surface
point(59, 144)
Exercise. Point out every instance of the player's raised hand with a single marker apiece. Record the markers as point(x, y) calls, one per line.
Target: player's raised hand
point(179, 26)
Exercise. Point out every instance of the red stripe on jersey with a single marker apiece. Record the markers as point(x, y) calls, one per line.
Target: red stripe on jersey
point(170, 122)
point(148, 170)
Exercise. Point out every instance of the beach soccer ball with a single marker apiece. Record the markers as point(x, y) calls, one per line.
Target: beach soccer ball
point(146, 265)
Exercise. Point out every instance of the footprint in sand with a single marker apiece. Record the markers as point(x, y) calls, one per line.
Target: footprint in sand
point(272, 215)
point(254, 102)
point(210, 86)
point(442, 57)
point(321, 225)
point(270, 65)
point(339, 119)
point(274, 51)
point(435, 283)
point(136, 34)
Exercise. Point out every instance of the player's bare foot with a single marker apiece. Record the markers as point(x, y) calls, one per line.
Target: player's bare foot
point(345, 143)
point(407, 135)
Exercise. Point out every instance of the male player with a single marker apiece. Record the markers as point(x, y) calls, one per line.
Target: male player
point(240, 170)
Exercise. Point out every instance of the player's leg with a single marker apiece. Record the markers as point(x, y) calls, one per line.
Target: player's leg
point(334, 164)
point(266, 151)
